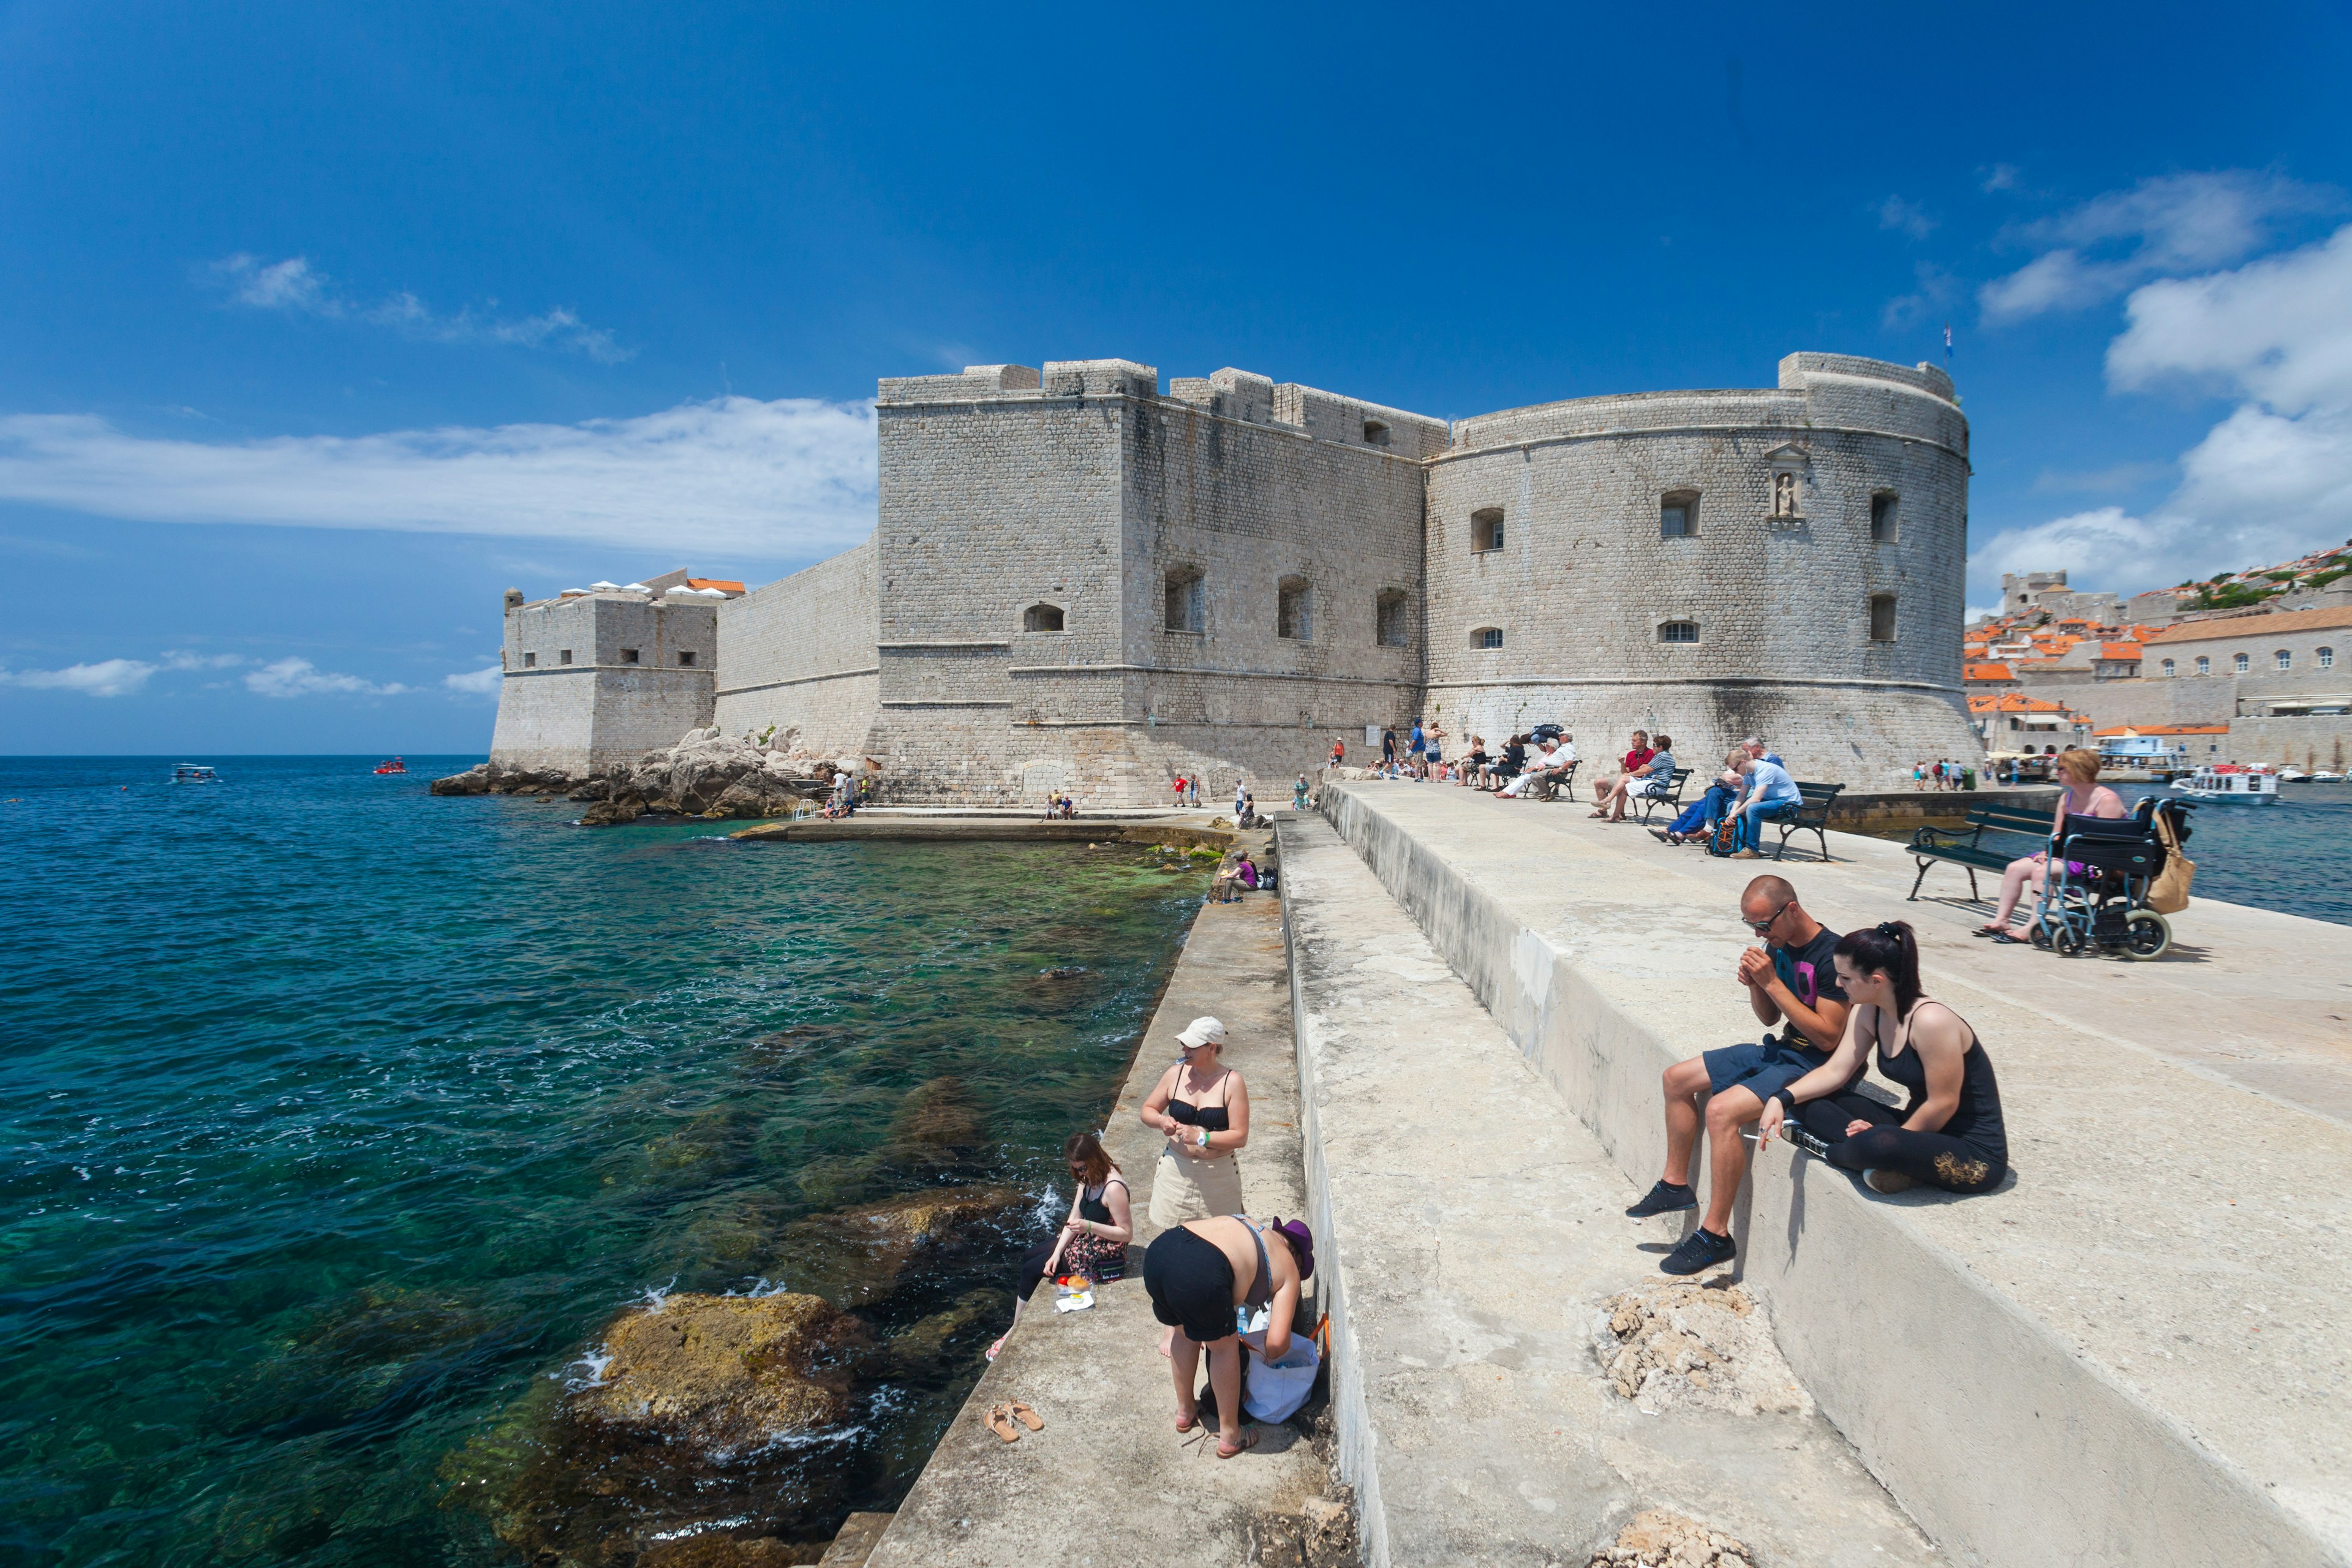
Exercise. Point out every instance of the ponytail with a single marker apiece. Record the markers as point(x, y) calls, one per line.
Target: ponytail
point(1890, 949)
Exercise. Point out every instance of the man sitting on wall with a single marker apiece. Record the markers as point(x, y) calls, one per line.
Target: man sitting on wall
point(1790, 982)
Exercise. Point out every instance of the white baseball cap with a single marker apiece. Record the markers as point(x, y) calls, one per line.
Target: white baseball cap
point(1204, 1032)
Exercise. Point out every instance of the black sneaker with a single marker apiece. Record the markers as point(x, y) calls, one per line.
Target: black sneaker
point(1801, 1137)
point(1702, 1249)
point(1664, 1198)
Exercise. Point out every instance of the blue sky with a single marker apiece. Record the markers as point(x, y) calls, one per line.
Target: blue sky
point(321, 325)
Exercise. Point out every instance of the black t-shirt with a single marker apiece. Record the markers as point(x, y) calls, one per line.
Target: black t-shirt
point(1808, 972)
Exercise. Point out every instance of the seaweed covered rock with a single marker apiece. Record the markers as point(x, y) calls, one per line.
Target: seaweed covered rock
point(856, 1256)
point(722, 1372)
point(705, 774)
point(936, 1129)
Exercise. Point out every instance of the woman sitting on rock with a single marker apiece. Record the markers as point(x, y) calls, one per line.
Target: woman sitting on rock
point(1093, 1240)
point(1196, 1275)
point(1950, 1134)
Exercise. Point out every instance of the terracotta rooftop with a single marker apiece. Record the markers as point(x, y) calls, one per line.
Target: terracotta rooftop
point(2165, 730)
point(1987, 672)
point(2254, 626)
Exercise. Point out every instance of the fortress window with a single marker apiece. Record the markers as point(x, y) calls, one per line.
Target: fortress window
point(1882, 518)
point(1290, 609)
point(530, 662)
point(1389, 623)
point(1882, 617)
point(2204, 664)
point(2168, 668)
point(2240, 663)
point(1375, 433)
point(1486, 636)
point(1678, 631)
point(686, 658)
point(563, 657)
point(628, 656)
point(1677, 514)
point(1042, 619)
point(1486, 529)
point(1187, 603)
point(2327, 659)
point(2285, 659)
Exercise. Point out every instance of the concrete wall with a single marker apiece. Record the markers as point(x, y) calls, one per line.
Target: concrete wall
point(597, 679)
point(799, 654)
point(1585, 579)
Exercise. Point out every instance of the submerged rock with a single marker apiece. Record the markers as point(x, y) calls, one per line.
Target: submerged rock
point(856, 1256)
point(724, 1373)
point(937, 1129)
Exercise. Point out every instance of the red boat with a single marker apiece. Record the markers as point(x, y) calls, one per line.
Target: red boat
point(393, 766)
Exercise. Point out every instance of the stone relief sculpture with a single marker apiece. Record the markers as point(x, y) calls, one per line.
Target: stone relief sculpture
point(1784, 494)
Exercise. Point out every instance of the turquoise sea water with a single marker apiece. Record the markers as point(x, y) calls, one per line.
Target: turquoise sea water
point(334, 1118)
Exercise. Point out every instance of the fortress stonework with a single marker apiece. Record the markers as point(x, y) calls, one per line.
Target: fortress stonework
point(1079, 581)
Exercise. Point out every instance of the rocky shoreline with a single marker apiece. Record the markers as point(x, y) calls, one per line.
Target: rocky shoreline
point(706, 775)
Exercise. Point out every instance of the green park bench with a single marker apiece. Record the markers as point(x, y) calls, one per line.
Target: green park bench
point(1967, 847)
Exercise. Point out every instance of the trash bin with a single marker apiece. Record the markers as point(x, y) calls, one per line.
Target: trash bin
point(1968, 778)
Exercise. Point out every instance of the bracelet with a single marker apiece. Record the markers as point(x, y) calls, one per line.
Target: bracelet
point(1204, 1137)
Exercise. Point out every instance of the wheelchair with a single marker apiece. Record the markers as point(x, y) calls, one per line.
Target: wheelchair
point(2096, 884)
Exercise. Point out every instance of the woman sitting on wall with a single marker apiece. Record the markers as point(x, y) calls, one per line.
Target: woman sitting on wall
point(1197, 1274)
point(1092, 1241)
point(1203, 1105)
point(2078, 769)
point(1950, 1134)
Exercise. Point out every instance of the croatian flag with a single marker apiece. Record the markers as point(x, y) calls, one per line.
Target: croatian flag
point(1948, 342)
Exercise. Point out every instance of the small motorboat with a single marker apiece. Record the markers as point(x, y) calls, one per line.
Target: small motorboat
point(194, 773)
point(393, 766)
point(2230, 784)
point(2325, 775)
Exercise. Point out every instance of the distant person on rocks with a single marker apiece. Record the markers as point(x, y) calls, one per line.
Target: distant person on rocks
point(2084, 796)
point(1339, 751)
point(1791, 982)
point(1092, 1241)
point(1919, 775)
point(1299, 794)
point(1196, 1274)
point(1180, 791)
point(1419, 746)
point(1950, 1134)
point(1655, 778)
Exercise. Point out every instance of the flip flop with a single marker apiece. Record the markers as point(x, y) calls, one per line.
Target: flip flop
point(1027, 1416)
point(1186, 1422)
point(1249, 1441)
point(997, 1349)
point(997, 1422)
point(2008, 940)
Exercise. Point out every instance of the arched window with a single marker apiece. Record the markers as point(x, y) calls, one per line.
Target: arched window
point(2240, 663)
point(1487, 529)
point(2327, 659)
point(1187, 608)
point(1486, 636)
point(2204, 664)
point(1882, 517)
point(1390, 626)
point(1678, 631)
point(2284, 659)
point(1882, 617)
point(1290, 608)
point(2168, 667)
point(1042, 619)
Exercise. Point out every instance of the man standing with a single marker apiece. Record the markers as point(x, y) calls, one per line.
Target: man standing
point(1790, 982)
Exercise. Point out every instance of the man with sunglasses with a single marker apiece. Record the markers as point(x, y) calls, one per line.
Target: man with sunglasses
point(1790, 982)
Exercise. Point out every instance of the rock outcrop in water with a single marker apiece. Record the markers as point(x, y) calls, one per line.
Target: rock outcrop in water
point(724, 1373)
point(705, 774)
point(856, 1256)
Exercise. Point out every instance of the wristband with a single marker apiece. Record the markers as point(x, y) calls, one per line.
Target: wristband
point(1204, 1137)
point(1788, 1098)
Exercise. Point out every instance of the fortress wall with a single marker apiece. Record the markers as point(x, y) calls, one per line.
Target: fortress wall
point(799, 654)
point(600, 707)
point(1585, 579)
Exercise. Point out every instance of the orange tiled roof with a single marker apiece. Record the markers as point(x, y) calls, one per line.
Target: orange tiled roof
point(719, 583)
point(2012, 702)
point(1987, 672)
point(2253, 627)
point(2165, 730)
point(2119, 650)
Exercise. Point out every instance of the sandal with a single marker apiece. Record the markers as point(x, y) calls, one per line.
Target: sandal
point(2006, 940)
point(1027, 1416)
point(997, 1349)
point(1249, 1441)
point(997, 1422)
point(1186, 1422)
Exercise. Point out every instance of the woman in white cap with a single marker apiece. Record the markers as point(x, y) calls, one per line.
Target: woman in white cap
point(1203, 1105)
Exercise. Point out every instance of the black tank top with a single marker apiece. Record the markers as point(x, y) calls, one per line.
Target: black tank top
point(1977, 1119)
point(1091, 1206)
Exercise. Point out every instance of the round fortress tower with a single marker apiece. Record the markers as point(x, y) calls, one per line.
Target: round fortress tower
point(1787, 562)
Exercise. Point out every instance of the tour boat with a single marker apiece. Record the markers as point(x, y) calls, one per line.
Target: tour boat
point(393, 766)
point(2229, 783)
point(192, 773)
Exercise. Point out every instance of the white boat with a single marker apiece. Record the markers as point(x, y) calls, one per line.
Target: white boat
point(194, 773)
point(2326, 776)
point(2229, 783)
point(2293, 776)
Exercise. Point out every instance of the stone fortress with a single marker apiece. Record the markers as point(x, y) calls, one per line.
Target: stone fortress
point(1080, 582)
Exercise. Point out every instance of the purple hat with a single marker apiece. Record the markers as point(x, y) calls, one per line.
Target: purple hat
point(1302, 1244)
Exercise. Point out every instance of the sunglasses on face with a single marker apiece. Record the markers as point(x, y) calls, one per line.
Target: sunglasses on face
point(1768, 921)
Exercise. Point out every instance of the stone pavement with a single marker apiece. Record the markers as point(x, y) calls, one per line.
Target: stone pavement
point(2136, 1350)
point(1109, 1480)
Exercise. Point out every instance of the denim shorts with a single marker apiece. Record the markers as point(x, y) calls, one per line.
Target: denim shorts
point(1762, 1069)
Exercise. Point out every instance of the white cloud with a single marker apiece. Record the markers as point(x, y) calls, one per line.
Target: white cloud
point(2171, 223)
point(1937, 290)
point(478, 682)
point(108, 678)
point(300, 678)
point(2000, 177)
point(1909, 217)
point(790, 478)
point(294, 285)
point(180, 658)
point(2271, 481)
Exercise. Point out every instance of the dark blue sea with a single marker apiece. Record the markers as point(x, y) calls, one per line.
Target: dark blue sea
point(336, 1120)
point(2294, 857)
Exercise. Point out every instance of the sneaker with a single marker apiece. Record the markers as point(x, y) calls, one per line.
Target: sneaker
point(1888, 1180)
point(1664, 1198)
point(1801, 1137)
point(1702, 1249)
point(1746, 855)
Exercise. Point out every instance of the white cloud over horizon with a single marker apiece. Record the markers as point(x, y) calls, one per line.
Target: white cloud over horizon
point(476, 682)
point(296, 288)
point(106, 678)
point(300, 678)
point(2273, 479)
point(788, 479)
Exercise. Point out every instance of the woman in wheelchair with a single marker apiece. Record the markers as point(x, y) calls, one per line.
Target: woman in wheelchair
point(2084, 796)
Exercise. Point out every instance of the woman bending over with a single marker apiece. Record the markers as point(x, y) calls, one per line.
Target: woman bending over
point(2084, 796)
point(1950, 1134)
point(1196, 1275)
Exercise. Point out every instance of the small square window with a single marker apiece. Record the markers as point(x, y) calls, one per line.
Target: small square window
point(1882, 617)
point(1678, 631)
point(1882, 517)
point(628, 656)
point(686, 658)
point(1487, 529)
point(1677, 514)
point(1187, 606)
point(564, 656)
point(1486, 636)
point(2204, 664)
point(2327, 659)
point(2240, 663)
point(530, 662)
point(2285, 659)
point(1391, 628)
point(1290, 609)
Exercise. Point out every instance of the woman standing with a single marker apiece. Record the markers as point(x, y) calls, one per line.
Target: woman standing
point(1093, 1240)
point(2084, 796)
point(1950, 1135)
point(1203, 1105)
point(1196, 1275)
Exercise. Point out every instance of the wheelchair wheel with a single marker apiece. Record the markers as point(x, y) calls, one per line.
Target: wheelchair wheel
point(2039, 935)
point(2147, 934)
point(2068, 942)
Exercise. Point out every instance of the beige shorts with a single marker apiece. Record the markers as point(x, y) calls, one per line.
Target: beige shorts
point(1183, 1188)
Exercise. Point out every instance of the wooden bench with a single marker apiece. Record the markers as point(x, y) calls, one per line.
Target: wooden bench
point(1812, 815)
point(1672, 796)
point(1966, 846)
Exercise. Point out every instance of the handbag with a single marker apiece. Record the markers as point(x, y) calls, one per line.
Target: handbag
point(2168, 894)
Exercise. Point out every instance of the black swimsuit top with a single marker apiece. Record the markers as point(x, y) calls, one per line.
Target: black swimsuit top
point(1212, 1117)
point(1977, 1119)
point(1093, 1208)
